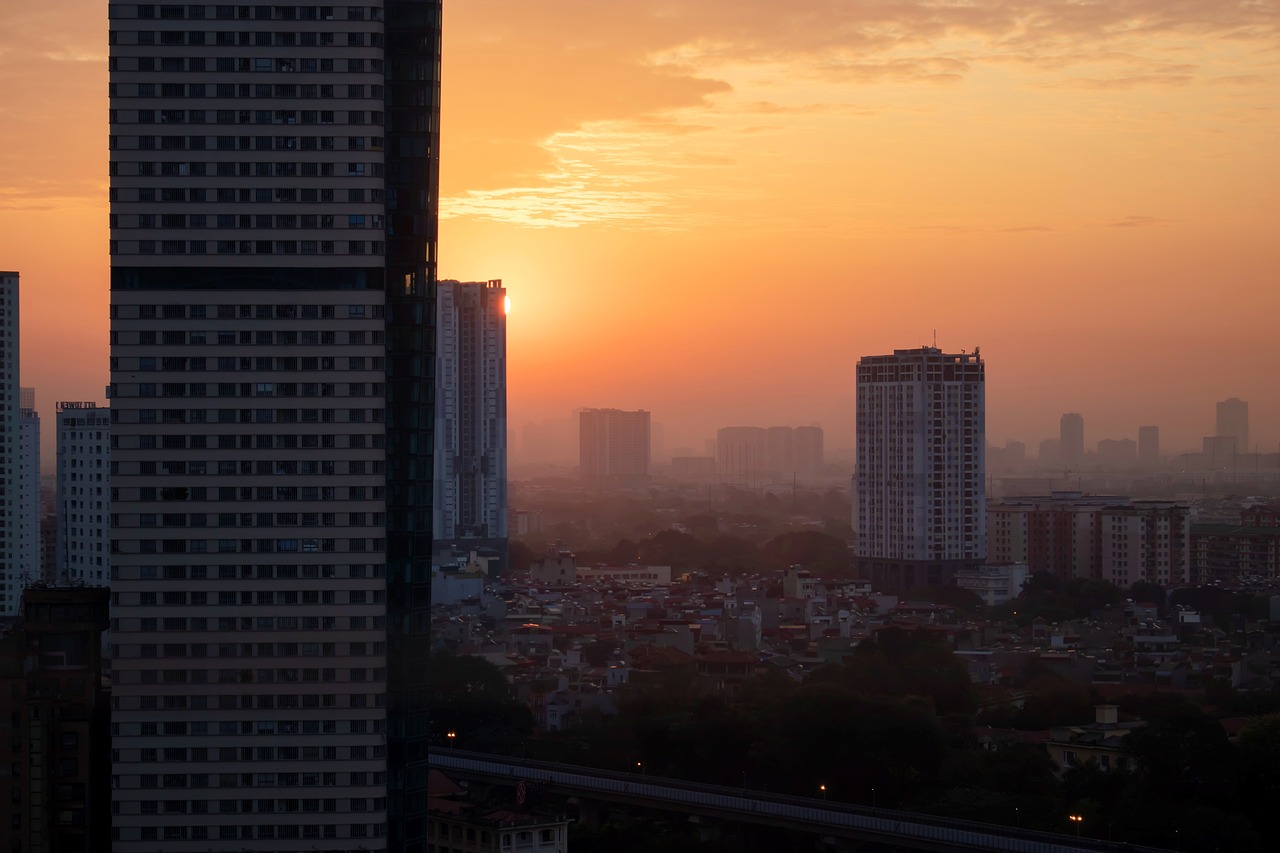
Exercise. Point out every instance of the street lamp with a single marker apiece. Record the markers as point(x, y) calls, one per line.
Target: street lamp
point(823, 789)
point(873, 798)
point(640, 765)
point(1077, 820)
point(452, 736)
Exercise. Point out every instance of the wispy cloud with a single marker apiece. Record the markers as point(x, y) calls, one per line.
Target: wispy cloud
point(703, 75)
point(1140, 222)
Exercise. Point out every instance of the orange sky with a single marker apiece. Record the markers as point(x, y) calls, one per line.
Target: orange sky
point(711, 208)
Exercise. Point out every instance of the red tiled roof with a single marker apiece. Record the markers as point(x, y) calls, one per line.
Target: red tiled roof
point(440, 785)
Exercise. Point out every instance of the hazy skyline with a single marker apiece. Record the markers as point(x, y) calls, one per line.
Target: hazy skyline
point(712, 209)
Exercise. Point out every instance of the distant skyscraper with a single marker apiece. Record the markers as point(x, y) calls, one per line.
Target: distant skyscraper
point(1233, 421)
point(1149, 447)
point(1071, 436)
point(809, 451)
point(273, 236)
point(1050, 453)
point(28, 482)
point(741, 454)
point(1219, 450)
point(10, 448)
point(1117, 453)
point(470, 503)
point(83, 502)
point(919, 486)
point(780, 452)
point(613, 446)
point(1015, 453)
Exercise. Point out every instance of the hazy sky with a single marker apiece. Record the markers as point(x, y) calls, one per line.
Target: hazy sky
point(711, 208)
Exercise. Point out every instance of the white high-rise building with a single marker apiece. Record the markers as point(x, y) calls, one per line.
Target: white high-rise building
point(84, 494)
point(11, 516)
point(28, 483)
point(470, 482)
point(919, 488)
point(273, 246)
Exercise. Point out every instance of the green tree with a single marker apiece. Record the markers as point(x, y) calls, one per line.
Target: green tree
point(672, 548)
point(804, 548)
point(471, 698)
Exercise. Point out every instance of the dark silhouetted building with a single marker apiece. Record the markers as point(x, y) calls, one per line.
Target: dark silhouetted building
point(273, 269)
point(1149, 447)
point(919, 485)
point(11, 546)
point(1233, 422)
point(55, 794)
point(1071, 439)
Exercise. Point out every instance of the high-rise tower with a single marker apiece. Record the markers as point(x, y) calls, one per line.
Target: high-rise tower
point(273, 233)
point(11, 516)
point(919, 489)
point(471, 416)
point(1149, 447)
point(83, 494)
point(1071, 439)
point(1233, 422)
point(613, 446)
point(27, 492)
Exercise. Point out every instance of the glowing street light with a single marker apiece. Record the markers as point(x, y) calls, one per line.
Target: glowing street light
point(452, 736)
point(823, 789)
point(1077, 820)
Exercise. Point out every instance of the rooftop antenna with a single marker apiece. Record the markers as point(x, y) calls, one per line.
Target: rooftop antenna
point(935, 338)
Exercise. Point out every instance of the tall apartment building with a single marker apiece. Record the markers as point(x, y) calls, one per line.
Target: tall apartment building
point(919, 486)
point(752, 456)
point(1071, 438)
point(1101, 537)
point(83, 503)
point(11, 554)
point(28, 488)
point(809, 451)
point(1237, 552)
point(1149, 447)
point(613, 446)
point(273, 248)
point(470, 502)
point(741, 454)
point(1233, 421)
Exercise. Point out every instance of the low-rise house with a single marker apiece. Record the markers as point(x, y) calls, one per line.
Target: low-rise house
point(1101, 741)
point(456, 823)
